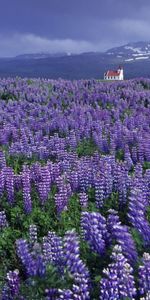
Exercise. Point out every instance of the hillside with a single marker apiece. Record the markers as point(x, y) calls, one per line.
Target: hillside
point(134, 57)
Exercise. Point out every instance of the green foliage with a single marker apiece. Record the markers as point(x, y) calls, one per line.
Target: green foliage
point(120, 155)
point(91, 200)
point(96, 264)
point(148, 213)
point(138, 240)
point(127, 112)
point(46, 220)
point(44, 217)
point(109, 106)
point(35, 287)
point(86, 147)
point(64, 104)
point(17, 162)
point(146, 165)
point(29, 81)
point(6, 96)
point(8, 258)
point(111, 203)
point(70, 218)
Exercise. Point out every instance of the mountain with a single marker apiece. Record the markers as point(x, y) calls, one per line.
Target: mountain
point(132, 51)
point(134, 57)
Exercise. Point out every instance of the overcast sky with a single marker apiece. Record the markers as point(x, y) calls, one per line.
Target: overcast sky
point(29, 26)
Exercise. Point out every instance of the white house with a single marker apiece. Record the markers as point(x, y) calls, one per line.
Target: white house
point(114, 75)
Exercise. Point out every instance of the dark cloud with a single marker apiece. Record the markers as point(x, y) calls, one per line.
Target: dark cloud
point(90, 24)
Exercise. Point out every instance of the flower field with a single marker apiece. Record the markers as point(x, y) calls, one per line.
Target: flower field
point(74, 189)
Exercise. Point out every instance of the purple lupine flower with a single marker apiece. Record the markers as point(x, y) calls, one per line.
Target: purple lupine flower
point(82, 180)
point(147, 296)
point(69, 189)
point(140, 152)
point(26, 190)
point(32, 234)
point(72, 140)
point(61, 199)
point(41, 266)
point(47, 250)
point(108, 180)
point(13, 282)
point(93, 226)
point(2, 182)
point(56, 170)
point(139, 182)
point(119, 282)
point(81, 287)
point(3, 220)
point(36, 252)
point(5, 293)
point(2, 160)
point(18, 181)
point(60, 181)
point(83, 198)
point(74, 180)
point(75, 265)
point(44, 185)
point(42, 191)
point(144, 275)
point(99, 184)
point(9, 182)
point(147, 185)
point(134, 154)
point(51, 294)
point(122, 185)
point(127, 157)
point(35, 172)
point(137, 215)
point(53, 250)
point(26, 257)
point(121, 182)
point(122, 236)
point(65, 295)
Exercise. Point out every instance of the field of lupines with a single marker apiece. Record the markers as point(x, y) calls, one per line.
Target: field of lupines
point(74, 190)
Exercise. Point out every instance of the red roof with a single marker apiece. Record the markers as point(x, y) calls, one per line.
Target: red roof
point(113, 73)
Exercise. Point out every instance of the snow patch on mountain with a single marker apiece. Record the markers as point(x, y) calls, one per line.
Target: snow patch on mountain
point(137, 50)
point(129, 59)
point(142, 57)
point(141, 49)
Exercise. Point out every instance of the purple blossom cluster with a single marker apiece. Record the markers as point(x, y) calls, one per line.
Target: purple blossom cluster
point(3, 220)
point(94, 231)
point(83, 198)
point(120, 233)
point(119, 282)
point(137, 215)
point(83, 140)
point(33, 235)
point(26, 186)
point(43, 128)
point(11, 289)
point(144, 276)
point(63, 253)
point(9, 183)
point(76, 267)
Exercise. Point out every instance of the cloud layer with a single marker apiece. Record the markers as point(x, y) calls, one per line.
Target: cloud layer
point(71, 26)
point(29, 43)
